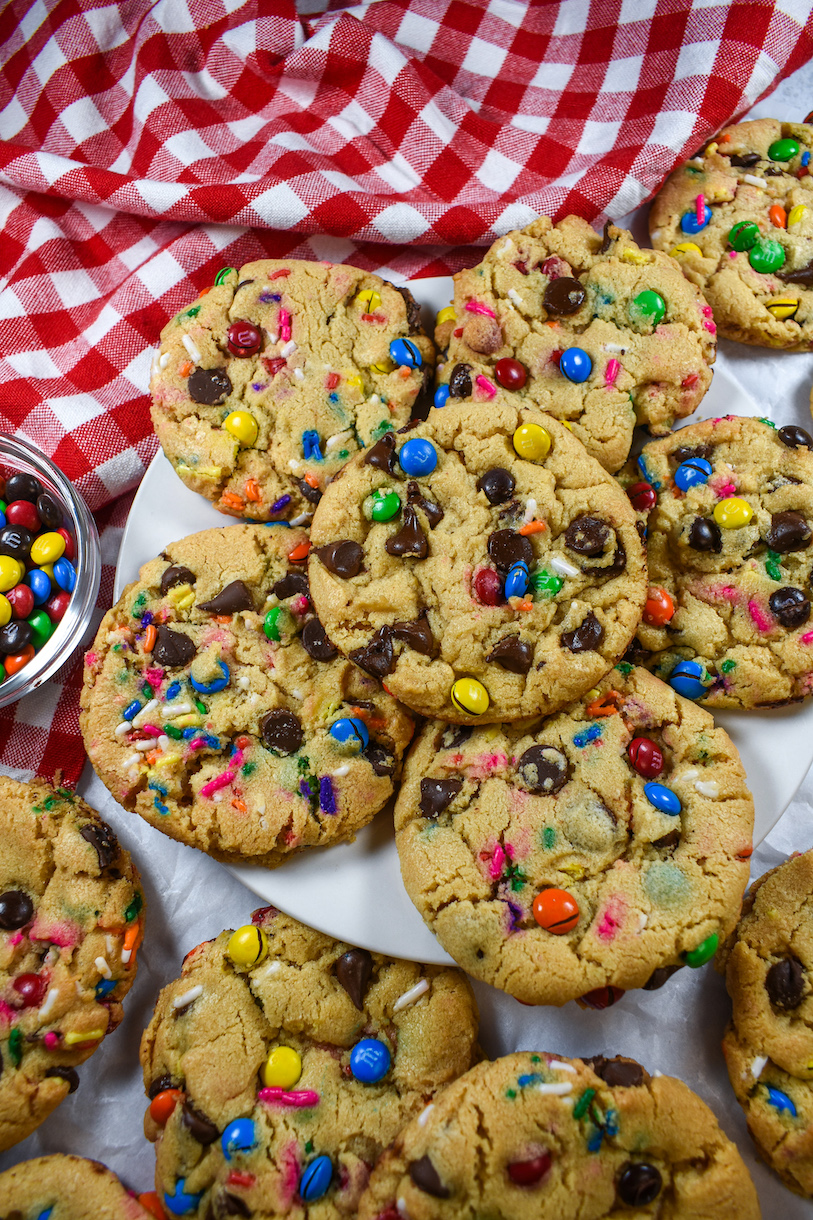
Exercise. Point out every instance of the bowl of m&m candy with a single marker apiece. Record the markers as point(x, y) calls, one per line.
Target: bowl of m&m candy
point(50, 567)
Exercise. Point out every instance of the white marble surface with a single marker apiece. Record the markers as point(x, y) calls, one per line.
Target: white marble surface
point(191, 898)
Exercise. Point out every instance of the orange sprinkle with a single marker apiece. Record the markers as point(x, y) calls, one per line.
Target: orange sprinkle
point(533, 527)
point(252, 491)
point(152, 756)
point(300, 553)
point(605, 705)
point(363, 713)
point(242, 742)
point(222, 618)
point(405, 372)
point(132, 935)
point(525, 605)
point(186, 368)
point(779, 217)
point(152, 1205)
point(746, 852)
point(239, 805)
point(232, 500)
point(311, 479)
point(724, 138)
point(203, 291)
point(149, 638)
point(553, 324)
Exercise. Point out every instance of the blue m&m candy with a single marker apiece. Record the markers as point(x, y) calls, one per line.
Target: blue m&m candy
point(179, 1202)
point(780, 1101)
point(39, 583)
point(516, 582)
point(689, 222)
point(405, 353)
point(576, 364)
point(369, 1061)
point(211, 688)
point(418, 457)
point(687, 679)
point(351, 733)
point(663, 798)
point(239, 1136)
point(688, 474)
point(441, 396)
point(65, 574)
point(316, 1178)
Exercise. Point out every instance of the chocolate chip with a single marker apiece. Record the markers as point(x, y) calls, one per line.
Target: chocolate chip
point(433, 512)
point(584, 638)
point(660, 976)
point(795, 437)
point(512, 654)
point(619, 562)
point(290, 585)
point(16, 909)
point(209, 386)
point(377, 657)
point(744, 160)
point(342, 558)
point(667, 842)
point(803, 276)
point(684, 453)
point(231, 1205)
point(705, 535)
point(381, 761)
point(198, 1125)
point(101, 837)
point(176, 575)
point(460, 381)
point(606, 239)
point(158, 1085)
point(507, 547)
point(564, 296)
point(618, 1072)
point(416, 634)
point(312, 494)
point(636, 654)
point(235, 596)
point(454, 736)
point(316, 643)
point(790, 606)
point(69, 1075)
point(437, 795)
point(427, 1179)
point(789, 532)
point(497, 485)
point(354, 970)
point(639, 1184)
point(382, 454)
point(543, 769)
point(587, 536)
point(282, 731)
point(410, 540)
point(172, 648)
point(48, 511)
point(413, 309)
point(785, 983)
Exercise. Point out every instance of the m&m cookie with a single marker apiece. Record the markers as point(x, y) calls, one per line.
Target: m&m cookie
point(67, 1188)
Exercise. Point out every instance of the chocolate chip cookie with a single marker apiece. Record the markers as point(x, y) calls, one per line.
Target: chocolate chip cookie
point(71, 919)
point(266, 384)
point(738, 217)
point(215, 706)
point(281, 1063)
point(481, 564)
point(65, 1188)
point(584, 854)
point(561, 1139)
point(595, 331)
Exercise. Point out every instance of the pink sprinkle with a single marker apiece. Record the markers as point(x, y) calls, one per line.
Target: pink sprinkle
point(710, 327)
point(301, 604)
point(16, 938)
point(220, 781)
point(477, 307)
point(299, 1099)
point(732, 254)
point(497, 862)
point(50, 1040)
point(64, 935)
point(485, 385)
point(611, 372)
point(807, 637)
point(7, 1013)
point(701, 210)
point(196, 743)
point(725, 491)
point(151, 730)
point(290, 1175)
point(91, 658)
point(284, 324)
point(154, 676)
point(763, 623)
point(706, 310)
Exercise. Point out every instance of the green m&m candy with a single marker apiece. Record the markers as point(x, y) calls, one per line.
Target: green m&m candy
point(382, 506)
point(648, 307)
point(703, 953)
point(766, 256)
point(743, 235)
point(783, 150)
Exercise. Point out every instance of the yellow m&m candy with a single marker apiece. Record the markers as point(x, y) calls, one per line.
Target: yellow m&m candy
point(531, 441)
point(732, 513)
point(282, 1068)
point(5, 610)
point(247, 946)
point(47, 549)
point(243, 427)
point(795, 214)
point(11, 572)
point(783, 307)
point(470, 696)
point(369, 300)
point(446, 314)
point(685, 247)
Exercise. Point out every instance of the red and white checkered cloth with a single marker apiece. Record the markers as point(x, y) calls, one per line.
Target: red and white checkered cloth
point(146, 146)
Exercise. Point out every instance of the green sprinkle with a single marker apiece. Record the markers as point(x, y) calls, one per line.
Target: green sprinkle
point(772, 562)
point(134, 907)
point(580, 1108)
point(146, 689)
point(202, 708)
point(15, 1046)
point(548, 837)
point(535, 1059)
point(192, 313)
point(624, 667)
point(172, 732)
point(248, 768)
point(138, 605)
point(309, 1146)
point(727, 666)
point(381, 428)
point(344, 453)
point(693, 169)
point(511, 1093)
point(223, 274)
point(763, 420)
point(50, 801)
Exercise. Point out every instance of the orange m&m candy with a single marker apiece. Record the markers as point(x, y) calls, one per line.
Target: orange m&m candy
point(556, 911)
point(659, 607)
point(163, 1104)
point(152, 1204)
point(16, 663)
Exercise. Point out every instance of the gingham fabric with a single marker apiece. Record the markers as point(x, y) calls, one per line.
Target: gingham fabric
point(145, 146)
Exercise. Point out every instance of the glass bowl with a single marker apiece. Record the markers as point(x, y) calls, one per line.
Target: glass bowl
point(18, 456)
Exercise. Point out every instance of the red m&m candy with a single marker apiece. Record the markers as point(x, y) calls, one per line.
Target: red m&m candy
point(556, 911)
point(21, 598)
point(643, 497)
point(31, 989)
point(645, 757)
point(243, 338)
point(528, 1173)
point(70, 547)
point(23, 512)
point(488, 587)
point(510, 374)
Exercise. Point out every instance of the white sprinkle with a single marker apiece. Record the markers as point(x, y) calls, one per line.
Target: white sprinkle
point(218, 797)
point(171, 710)
point(133, 774)
point(299, 373)
point(128, 762)
point(614, 347)
point(193, 993)
point(656, 234)
point(122, 728)
point(338, 439)
point(50, 1000)
point(273, 337)
point(109, 945)
point(757, 1065)
point(244, 682)
point(401, 1208)
point(688, 775)
point(145, 712)
point(154, 365)
point(423, 1117)
point(103, 968)
point(514, 296)
point(643, 920)
point(263, 824)
point(760, 182)
point(340, 771)
point(288, 349)
point(557, 1090)
point(530, 510)
point(374, 400)
point(707, 788)
point(561, 565)
point(297, 694)
point(694, 161)
point(409, 997)
point(505, 247)
point(189, 344)
point(126, 954)
point(144, 745)
point(164, 360)
point(272, 968)
point(301, 519)
point(558, 1066)
point(254, 700)
point(656, 1073)
point(51, 957)
point(295, 464)
point(163, 741)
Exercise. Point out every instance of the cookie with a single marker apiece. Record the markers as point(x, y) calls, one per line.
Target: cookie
point(596, 850)
point(728, 546)
point(482, 564)
point(738, 217)
point(277, 374)
point(593, 330)
point(215, 706)
point(282, 1063)
point(561, 1139)
point(65, 1188)
point(71, 919)
point(769, 1042)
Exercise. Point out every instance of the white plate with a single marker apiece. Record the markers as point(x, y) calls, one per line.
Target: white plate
point(354, 890)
